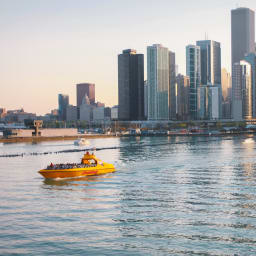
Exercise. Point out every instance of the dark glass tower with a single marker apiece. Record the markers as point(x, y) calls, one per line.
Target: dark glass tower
point(130, 85)
point(63, 104)
point(242, 33)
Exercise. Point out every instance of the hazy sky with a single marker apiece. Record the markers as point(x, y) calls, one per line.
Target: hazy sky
point(48, 46)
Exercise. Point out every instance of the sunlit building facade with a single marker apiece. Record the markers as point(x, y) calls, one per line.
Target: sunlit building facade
point(193, 70)
point(158, 82)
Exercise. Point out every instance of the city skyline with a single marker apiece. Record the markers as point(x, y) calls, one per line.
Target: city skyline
point(50, 46)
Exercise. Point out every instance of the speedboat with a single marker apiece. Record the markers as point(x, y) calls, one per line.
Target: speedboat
point(82, 142)
point(89, 166)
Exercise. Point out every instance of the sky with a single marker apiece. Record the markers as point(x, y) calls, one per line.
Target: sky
point(48, 46)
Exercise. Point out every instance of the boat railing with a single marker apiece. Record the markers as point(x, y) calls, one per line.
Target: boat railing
point(69, 166)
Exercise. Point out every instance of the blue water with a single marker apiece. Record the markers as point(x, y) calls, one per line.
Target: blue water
point(180, 196)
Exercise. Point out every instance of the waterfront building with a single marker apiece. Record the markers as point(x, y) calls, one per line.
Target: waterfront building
point(193, 71)
point(85, 110)
point(130, 85)
point(226, 94)
point(251, 58)
point(98, 114)
point(210, 56)
point(225, 84)
point(182, 97)
point(242, 91)
point(242, 33)
point(146, 100)
point(158, 82)
point(114, 113)
point(71, 113)
point(63, 101)
point(85, 89)
point(172, 86)
point(208, 102)
point(18, 116)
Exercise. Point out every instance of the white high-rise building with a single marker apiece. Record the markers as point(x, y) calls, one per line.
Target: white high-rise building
point(242, 91)
point(193, 70)
point(158, 82)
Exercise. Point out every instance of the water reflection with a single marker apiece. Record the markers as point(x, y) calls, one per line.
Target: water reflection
point(71, 181)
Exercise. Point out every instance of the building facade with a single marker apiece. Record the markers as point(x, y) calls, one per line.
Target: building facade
point(158, 82)
point(63, 101)
point(172, 86)
point(242, 33)
point(193, 71)
point(251, 58)
point(84, 89)
point(242, 91)
point(130, 85)
point(182, 99)
point(210, 54)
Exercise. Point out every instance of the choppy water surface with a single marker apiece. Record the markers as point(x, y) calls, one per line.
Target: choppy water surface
point(193, 196)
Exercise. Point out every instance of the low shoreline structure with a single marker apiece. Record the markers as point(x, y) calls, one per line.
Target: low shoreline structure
point(55, 138)
point(97, 136)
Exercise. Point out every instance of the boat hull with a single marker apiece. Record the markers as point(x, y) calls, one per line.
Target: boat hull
point(78, 172)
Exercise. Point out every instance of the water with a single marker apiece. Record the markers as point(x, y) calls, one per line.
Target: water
point(193, 196)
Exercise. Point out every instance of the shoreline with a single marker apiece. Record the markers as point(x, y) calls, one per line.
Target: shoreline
point(103, 136)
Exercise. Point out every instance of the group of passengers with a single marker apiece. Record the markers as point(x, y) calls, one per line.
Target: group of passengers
point(69, 166)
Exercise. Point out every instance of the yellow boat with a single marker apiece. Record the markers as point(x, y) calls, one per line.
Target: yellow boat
point(90, 165)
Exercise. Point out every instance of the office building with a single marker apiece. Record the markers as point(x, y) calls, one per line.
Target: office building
point(172, 86)
point(251, 58)
point(71, 113)
point(63, 101)
point(158, 82)
point(226, 93)
point(85, 89)
point(182, 97)
point(242, 33)
point(193, 71)
point(242, 91)
point(210, 55)
point(146, 100)
point(130, 85)
point(208, 102)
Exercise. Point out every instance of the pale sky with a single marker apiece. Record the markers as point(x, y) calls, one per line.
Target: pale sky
point(48, 46)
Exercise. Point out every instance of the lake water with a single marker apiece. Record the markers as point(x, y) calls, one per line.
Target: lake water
point(179, 196)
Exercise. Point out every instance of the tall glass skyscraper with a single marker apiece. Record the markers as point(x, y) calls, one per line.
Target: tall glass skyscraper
point(193, 70)
point(63, 101)
point(158, 82)
point(210, 61)
point(242, 33)
point(210, 52)
point(130, 85)
point(172, 86)
point(242, 90)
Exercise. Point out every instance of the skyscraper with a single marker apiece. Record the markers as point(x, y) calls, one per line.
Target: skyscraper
point(226, 93)
point(172, 81)
point(251, 58)
point(158, 82)
point(242, 91)
point(193, 70)
point(182, 100)
point(130, 85)
point(242, 33)
point(85, 89)
point(63, 101)
point(210, 52)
